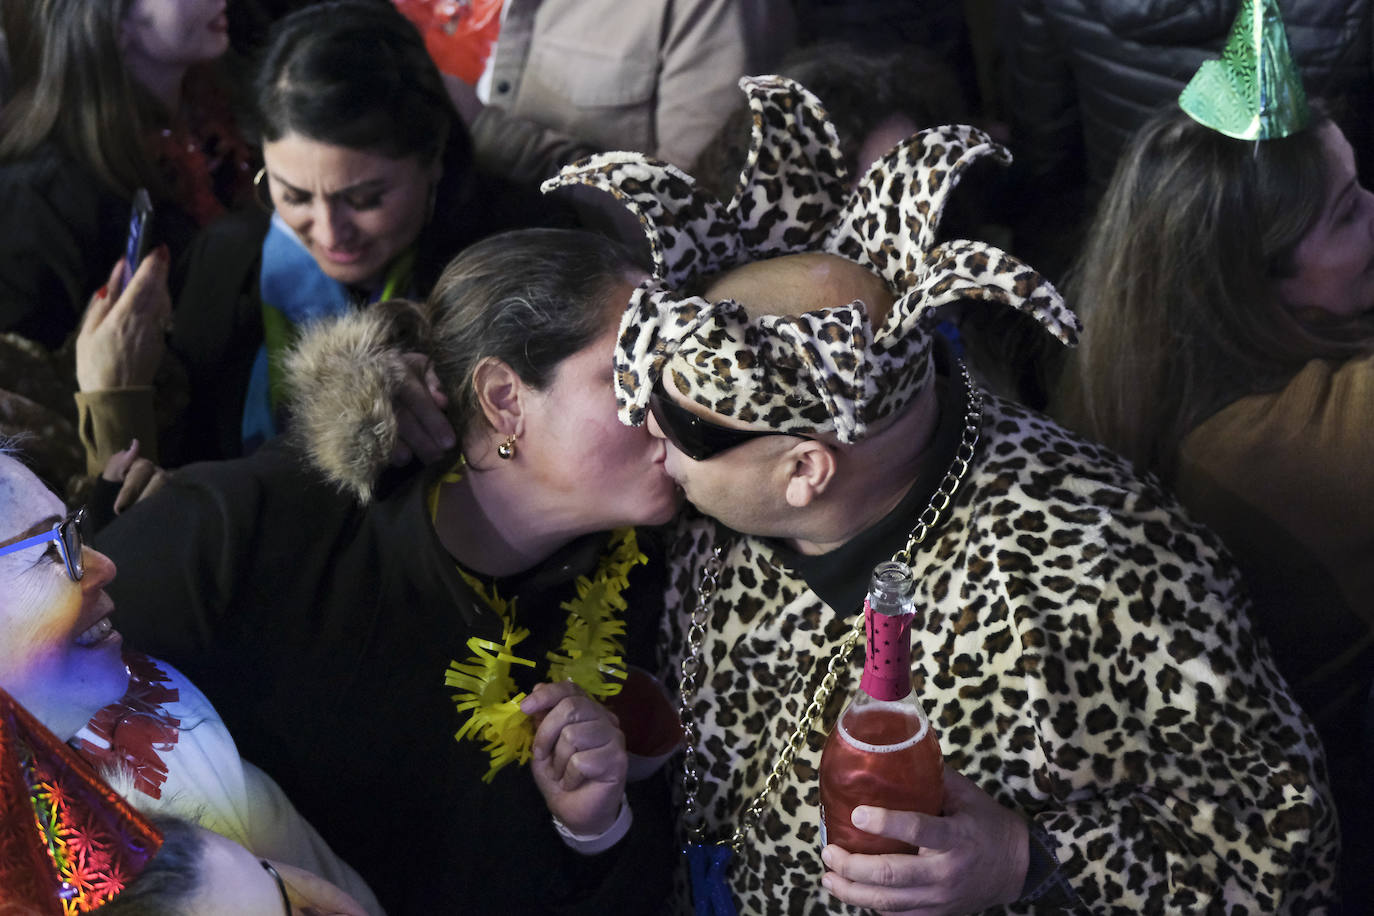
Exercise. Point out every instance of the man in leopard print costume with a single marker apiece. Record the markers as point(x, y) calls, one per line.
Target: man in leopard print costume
point(1117, 737)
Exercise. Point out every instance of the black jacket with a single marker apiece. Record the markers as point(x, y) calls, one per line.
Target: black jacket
point(61, 231)
point(321, 631)
point(1083, 75)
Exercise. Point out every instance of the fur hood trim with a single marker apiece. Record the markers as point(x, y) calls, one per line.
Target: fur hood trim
point(341, 378)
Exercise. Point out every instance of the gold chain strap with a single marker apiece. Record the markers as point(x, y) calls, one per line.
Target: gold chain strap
point(692, 666)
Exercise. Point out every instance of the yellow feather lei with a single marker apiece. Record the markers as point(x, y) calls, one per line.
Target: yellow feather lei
point(591, 654)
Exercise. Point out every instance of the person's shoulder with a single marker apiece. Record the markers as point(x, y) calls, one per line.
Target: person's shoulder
point(49, 174)
point(1057, 464)
point(1324, 390)
point(279, 464)
point(233, 239)
point(275, 480)
point(1325, 406)
point(1087, 506)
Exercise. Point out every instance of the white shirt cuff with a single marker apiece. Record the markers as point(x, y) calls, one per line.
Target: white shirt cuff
point(590, 845)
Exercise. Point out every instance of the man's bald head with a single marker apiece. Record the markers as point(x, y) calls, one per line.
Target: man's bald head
point(797, 283)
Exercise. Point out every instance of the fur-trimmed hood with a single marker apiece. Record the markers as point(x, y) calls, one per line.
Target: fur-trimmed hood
point(341, 378)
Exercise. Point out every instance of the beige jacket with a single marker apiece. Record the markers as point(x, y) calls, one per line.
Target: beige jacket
point(1287, 480)
point(656, 76)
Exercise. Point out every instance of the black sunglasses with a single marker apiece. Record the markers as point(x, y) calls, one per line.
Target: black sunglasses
point(67, 534)
point(697, 437)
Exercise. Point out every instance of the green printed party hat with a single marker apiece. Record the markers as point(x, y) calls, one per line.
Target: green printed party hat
point(1255, 91)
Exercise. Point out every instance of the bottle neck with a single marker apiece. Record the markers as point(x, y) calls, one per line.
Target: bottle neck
point(887, 665)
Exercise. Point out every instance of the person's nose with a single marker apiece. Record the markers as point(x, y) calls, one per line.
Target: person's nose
point(98, 570)
point(654, 429)
point(333, 227)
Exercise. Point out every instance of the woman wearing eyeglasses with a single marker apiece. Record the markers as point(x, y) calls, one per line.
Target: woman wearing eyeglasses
point(419, 659)
point(62, 658)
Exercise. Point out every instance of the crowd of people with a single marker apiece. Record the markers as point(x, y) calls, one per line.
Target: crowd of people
point(490, 429)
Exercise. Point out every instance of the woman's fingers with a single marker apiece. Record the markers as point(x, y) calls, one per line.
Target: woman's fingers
point(117, 465)
point(103, 300)
point(143, 479)
point(422, 428)
point(577, 739)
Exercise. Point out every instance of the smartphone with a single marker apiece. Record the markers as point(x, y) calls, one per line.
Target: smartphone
point(140, 222)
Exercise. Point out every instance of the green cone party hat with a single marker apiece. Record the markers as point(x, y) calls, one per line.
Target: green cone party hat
point(1255, 91)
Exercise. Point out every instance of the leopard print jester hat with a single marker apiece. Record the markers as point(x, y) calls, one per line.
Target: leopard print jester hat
point(822, 371)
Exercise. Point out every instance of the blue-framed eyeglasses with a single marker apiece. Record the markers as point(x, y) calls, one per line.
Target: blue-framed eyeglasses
point(67, 534)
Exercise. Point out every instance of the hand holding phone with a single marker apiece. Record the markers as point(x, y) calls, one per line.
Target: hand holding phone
point(136, 246)
point(123, 334)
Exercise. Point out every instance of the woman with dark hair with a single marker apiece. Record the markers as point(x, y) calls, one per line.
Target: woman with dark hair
point(370, 172)
point(1227, 290)
point(349, 636)
point(118, 99)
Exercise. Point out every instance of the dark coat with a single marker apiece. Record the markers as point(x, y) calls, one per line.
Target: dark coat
point(61, 232)
point(1083, 75)
point(322, 631)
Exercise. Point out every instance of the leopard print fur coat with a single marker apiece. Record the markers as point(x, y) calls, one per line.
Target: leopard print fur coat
point(1085, 655)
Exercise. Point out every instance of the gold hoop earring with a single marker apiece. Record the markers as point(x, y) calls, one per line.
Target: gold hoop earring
point(262, 194)
point(507, 449)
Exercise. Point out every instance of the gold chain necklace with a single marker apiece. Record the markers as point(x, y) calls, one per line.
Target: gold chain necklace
point(692, 666)
point(591, 654)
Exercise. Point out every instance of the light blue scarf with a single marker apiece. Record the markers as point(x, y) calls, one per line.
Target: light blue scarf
point(295, 292)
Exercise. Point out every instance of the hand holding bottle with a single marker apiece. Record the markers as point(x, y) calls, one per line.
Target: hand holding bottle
point(883, 750)
point(579, 760)
point(972, 857)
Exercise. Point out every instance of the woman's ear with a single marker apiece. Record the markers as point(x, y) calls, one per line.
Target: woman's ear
point(501, 396)
point(810, 470)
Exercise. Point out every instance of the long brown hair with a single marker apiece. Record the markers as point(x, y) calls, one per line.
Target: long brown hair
point(82, 97)
point(1176, 285)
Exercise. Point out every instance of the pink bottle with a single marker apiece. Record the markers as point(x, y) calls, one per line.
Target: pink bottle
point(883, 750)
